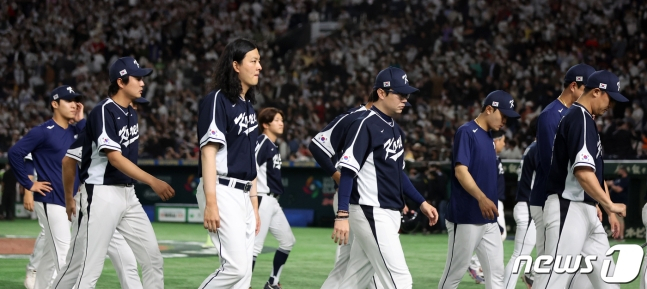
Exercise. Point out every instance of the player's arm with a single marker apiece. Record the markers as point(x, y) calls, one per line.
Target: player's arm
point(253, 196)
point(589, 181)
point(28, 196)
point(462, 156)
point(17, 155)
point(69, 175)
point(323, 160)
point(546, 130)
point(209, 175)
point(124, 165)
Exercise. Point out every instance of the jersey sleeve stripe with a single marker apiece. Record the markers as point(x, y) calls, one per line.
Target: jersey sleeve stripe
point(323, 148)
point(213, 134)
point(582, 164)
point(349, 150)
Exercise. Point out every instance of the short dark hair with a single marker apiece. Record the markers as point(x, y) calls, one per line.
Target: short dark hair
point(267, 115)
point(579, 84)
point(374, 96)
point(587, 90)
point(114, 87)
point(497, 133)
point(51, 107)
point(225, 77)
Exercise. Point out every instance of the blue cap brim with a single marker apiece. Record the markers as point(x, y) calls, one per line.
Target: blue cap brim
point(405, 89)
point(407, 104)
point(617, 96)
point(510, 113)
point(141, 72)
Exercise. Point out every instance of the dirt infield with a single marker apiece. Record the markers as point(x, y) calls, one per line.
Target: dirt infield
point(16, 246)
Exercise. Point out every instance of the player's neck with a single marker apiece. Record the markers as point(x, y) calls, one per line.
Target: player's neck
point(567, 99)
point(585, 102)
point(244, 91)
point(271, 136)
point(380, 106)
point(480, 121)
point(61, 121)
point(121, 99)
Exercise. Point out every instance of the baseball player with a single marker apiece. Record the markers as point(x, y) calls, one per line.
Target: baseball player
point(471, 216)
point(475, 270)
point(47, 144)
point(326, 147)
point(37, 253)
point(525, 235)
point(270, 187)
point(371, 189)
point(574, 82)
point(227, 130)
point(108, 200)
point(576, 184)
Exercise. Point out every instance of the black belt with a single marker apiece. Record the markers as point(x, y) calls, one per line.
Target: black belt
point(271, 194)
point(240, 185)
point(123, 185)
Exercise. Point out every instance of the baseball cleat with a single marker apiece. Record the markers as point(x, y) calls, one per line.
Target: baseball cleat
point(478, 278)
point(30, 279)
point(527, 279)
point(270, 286)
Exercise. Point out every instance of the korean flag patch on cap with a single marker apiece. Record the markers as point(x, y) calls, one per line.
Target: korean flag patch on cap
point(387, 84)
point(122, 72)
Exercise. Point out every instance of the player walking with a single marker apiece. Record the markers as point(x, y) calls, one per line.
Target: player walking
point(109, 158)
point(547, 122)
point(471, 218)
point(227, 129)
point(525, 235)
point(39, 244)
point(270, 187)
point(326, 147)
point(47, 144)
point(576, 184)
point(373, 182)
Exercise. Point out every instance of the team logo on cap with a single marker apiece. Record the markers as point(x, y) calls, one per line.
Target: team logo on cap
point(70, 90)
point(618, 85)
point(387, 84)
point(406, 80)
point(122, 72)
point(511, 103)
point(495, 104)
point(603, 86)
point(135, 61)
point(579, 78)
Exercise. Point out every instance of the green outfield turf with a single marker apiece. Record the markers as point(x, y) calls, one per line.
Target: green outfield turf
point(310, 260)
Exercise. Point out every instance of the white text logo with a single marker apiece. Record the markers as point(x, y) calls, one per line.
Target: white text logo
point(392, 146)
point(244, 122)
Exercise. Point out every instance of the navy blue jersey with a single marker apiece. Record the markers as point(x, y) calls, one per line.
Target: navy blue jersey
point(474, 148)
point(114, 128)
point(577, 144)
point(526, 174)
point(500, 183)
point(75, 152)
point(546, 130)
point(268, 160)
point(233, 126)
point(374, 152)
point(332, 138)
point(47, 144)
point(621, 197)
point(29, 166)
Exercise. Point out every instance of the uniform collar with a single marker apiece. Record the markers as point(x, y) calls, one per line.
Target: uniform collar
point(382, 115)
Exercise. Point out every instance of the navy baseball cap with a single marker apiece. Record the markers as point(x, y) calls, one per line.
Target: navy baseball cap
point(579, 73)
point(127, 66)
point(141, 100)
point(395, 79)
point(503, 101)
point(607, 82)
point(63, 92)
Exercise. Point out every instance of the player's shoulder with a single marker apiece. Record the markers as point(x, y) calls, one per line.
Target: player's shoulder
point(530, 149)
point(577, 114)
point(469, 126)
point(552, 110)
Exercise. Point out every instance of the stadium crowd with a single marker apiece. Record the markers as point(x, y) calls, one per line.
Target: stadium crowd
point(454, 51)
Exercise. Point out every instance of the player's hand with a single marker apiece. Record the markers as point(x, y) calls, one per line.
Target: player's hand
point(211, 218)
point(488, 208)
point(336, 177)
point(341, 231)
point(615, 226)
point(620, 209)
point(70, 208)
point(258, 222)
point(28, 201)
point(405, 210)
point(162, 189)
point(430, 212)
point(599, 212)
point(79, 112)
point(41, 187)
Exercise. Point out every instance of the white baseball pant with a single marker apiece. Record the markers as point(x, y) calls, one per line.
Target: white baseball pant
point(376, 250)
point(234, 239)
point(464, 240)
point(56, 242)
point(573, 228)
point(524, 241)
point(500, 220)
point(273, 220)
point(39, 249)
point(342, 256)
point(104, 209)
